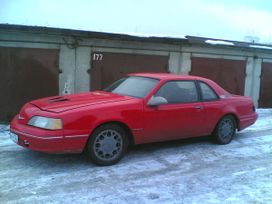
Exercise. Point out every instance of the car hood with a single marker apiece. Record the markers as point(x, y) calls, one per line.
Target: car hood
point(59, 104)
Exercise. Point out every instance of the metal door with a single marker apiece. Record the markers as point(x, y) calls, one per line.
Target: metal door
point(229, 74)
point(109, 67)
point(265, 99)
point(26, 74)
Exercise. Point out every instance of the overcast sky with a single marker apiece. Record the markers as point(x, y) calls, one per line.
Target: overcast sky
point(223, 19)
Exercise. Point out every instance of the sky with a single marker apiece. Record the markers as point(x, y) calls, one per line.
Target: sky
point(241, 20)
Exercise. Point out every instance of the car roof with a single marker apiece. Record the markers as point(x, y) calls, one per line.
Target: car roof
point(167, 76)
point(171, 76)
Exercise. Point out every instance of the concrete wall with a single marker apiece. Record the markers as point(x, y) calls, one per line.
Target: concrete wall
point(75, 57)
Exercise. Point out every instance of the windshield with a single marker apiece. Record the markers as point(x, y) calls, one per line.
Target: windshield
point(133, 86)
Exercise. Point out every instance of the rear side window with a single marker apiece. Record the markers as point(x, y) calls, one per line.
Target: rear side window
point(207, 92)
point(178, 92)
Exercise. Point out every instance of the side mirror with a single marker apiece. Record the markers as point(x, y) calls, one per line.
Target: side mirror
point(156, 100)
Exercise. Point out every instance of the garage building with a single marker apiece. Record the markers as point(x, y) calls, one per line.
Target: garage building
point(40, 61)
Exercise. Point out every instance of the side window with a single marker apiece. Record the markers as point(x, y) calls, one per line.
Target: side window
point(179, 92)
point(207, 93)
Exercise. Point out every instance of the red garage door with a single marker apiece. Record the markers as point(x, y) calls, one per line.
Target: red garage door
point(265, 99)
point(229, 74)
point(26, 74)
point(109, 67)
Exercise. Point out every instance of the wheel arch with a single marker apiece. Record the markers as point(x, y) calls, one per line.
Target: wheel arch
point(229, 114)
point(121, 124)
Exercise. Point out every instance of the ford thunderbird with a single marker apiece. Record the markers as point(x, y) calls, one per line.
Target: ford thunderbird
point(140, 108)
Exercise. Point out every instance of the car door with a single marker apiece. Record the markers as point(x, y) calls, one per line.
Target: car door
point(181, 117)
point(212, 106)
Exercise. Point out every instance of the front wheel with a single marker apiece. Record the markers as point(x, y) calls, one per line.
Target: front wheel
point(225, 130)
point(107, 144)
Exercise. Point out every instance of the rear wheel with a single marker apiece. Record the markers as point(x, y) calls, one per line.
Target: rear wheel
point(107, 144)
point(225, 130)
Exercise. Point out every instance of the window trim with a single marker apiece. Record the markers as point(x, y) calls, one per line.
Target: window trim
point(200, 92)
point(181, 80)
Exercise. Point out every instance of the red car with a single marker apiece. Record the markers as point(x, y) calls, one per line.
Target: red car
point(140, 108)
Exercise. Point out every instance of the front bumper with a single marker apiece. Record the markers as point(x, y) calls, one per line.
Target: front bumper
point(51, 141)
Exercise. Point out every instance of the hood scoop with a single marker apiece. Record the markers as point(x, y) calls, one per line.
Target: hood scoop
point(58, 99)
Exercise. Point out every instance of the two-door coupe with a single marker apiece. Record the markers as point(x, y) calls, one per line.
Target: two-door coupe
point(140, 108)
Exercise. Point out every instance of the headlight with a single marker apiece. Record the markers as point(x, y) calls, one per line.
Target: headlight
point(46, 123)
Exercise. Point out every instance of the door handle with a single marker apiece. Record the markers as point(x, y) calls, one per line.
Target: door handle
point(198, 107)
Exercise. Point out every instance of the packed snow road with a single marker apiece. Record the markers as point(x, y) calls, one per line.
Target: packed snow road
point(186, 171)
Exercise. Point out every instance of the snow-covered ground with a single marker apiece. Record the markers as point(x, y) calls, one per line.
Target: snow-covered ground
point(187, 171)
point(264, 121)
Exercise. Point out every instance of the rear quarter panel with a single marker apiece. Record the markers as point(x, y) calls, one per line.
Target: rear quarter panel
point(243, 108)
point(239, 106)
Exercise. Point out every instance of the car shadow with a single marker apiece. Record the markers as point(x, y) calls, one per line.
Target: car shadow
point(40, 160)
point(151, 147)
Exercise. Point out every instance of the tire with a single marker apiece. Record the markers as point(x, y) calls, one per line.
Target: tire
point(107, 145)
point(225, 130)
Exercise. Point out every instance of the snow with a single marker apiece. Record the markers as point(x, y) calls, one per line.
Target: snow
point(261, 47)
point(186, 171)
point(219, 42)
point(4, 135)
point(4, 128)
point(264, 121)
point(148, 35)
